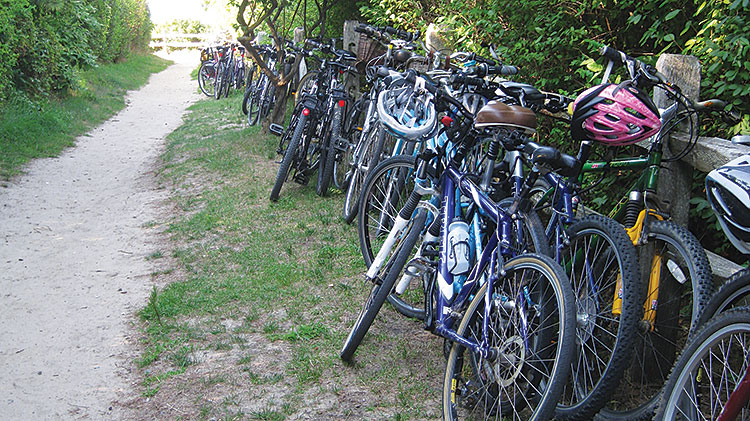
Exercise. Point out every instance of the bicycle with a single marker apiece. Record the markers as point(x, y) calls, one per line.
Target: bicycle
point(315, 125)
point(529, 361)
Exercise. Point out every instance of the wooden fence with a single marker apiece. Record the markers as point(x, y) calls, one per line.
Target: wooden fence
point(180, 41)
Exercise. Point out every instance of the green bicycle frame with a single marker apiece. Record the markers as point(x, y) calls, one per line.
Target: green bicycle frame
point(646, 181)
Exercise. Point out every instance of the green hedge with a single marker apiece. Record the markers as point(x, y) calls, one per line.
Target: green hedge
point(554, 42)
point(45, 43)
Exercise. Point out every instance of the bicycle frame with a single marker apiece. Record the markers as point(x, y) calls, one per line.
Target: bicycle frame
point(449, 304)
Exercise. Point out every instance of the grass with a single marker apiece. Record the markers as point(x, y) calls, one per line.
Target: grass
point(263, 294)
point(45, 126)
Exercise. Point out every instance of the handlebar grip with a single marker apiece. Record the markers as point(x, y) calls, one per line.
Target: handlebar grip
point(468, 80)
point(502, 70)
point(616, 56)
point(361, 29)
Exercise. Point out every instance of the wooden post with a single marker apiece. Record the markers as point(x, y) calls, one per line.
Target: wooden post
point(299, 35)
point(675, 178)
point(351, 38)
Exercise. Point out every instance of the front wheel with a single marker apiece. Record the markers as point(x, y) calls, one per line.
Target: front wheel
point(735, 292)
point(384, 281)
point(710, 369)
point(602, 265)
point(531, 329)
point(680, 268)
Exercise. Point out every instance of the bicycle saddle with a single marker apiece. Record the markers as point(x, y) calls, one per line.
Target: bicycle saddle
point(497, 114)
point(346, 55)
point(521, 91)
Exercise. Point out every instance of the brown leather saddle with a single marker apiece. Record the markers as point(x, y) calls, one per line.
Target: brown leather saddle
point(497, 114)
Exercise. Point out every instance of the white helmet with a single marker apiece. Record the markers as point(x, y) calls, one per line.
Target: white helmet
point(728, 191)
point(407, 109)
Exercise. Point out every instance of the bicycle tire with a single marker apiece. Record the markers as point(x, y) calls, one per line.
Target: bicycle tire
point(734, 292)
point(367, 160)
point(267, 100)
point(532, 240)
point(305, 84)
point(289, 154)
point(693, 371)
point(246, 100)
point(391, 268)
point(228, 80)
point(680, 304)
point(205, 78)
point(371, 206)
point(218, 81)
point(549, 333)
point(598, 258)
point(328, 153)
point(351, 131)
point(253, 111)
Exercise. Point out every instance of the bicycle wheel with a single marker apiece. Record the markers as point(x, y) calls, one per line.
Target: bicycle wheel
point(267, 100)
point(711, 367)
point(206, 76)
point(328, 152)
point(305, 85)
point(351, 132)
point(218, 82)
point(599, 260)
point(735, 292)
point(367, 158)
point(388, 273)
point(253, 110)
point(680, 266)
point(289, 155)
point(534, 338)
point(385, 192)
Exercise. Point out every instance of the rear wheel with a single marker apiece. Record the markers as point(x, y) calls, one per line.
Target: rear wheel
point(206, 76)
point(289, 155)
point(328, 152)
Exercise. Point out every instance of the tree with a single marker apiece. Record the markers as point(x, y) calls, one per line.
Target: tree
point(279, 17)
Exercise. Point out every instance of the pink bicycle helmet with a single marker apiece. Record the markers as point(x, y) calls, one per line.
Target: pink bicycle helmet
point(615, 115)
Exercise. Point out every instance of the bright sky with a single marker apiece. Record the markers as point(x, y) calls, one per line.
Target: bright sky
point(169, 10)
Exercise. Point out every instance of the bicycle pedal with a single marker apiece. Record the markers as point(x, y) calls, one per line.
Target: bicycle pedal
point(276, 129)
point(301, 178)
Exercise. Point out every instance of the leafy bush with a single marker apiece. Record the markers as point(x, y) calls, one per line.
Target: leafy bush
point(45, 43)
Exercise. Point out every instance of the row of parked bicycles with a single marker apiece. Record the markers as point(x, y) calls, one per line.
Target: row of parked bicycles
point(470, 224)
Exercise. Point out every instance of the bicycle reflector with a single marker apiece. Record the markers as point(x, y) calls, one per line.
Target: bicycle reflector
point(342, 103)
point(305, 112)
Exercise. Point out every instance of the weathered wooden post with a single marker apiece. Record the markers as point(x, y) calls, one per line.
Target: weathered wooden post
point(675, 178)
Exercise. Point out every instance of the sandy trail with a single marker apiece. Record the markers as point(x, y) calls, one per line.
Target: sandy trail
point(73, 245)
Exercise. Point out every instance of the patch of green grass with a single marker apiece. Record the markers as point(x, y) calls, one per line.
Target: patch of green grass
point(288, 273)
point(43, 127)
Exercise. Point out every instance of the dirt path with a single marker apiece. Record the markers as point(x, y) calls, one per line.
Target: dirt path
point(73, 269)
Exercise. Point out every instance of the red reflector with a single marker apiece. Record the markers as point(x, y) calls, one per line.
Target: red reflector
point(306, 112)
point(447, 121)
point(342, 103)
